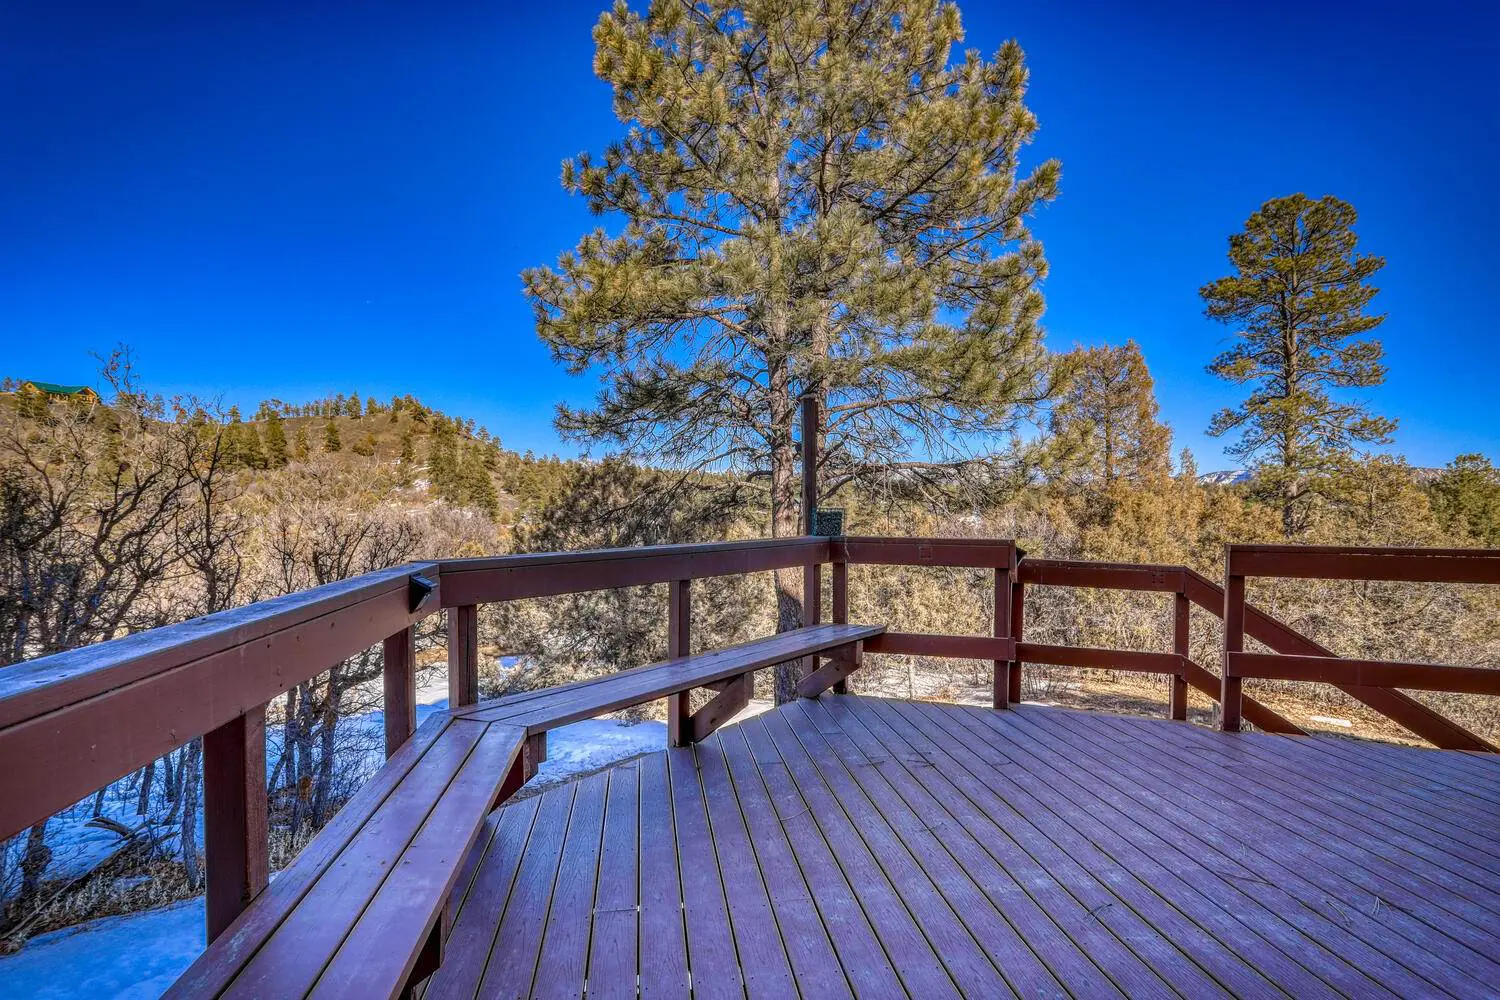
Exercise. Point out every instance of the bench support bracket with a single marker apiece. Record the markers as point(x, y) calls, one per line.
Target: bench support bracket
point(841, 662)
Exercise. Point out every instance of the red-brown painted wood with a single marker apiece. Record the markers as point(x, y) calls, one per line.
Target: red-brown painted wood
point(227, 955)
point(400, 677)
point(1234, 641)
point(235, 834)
point(616, 907)
point(478, 920)
point(383, 945)
point(563, 961)
point(518, 939)
point(1017, 627)
point(1000, 683)
point(510, 578)
point(663, 959)
point(969, 647)
point(1366, 673)
point(679, 644)
point(1401, 708)
point(98, 739)
point(839, 585)
point(463, 656)
point(587, 699)
point(1320, 562)
point(1181, 609)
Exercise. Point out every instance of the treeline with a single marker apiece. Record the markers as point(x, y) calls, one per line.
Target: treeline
point(143, 511)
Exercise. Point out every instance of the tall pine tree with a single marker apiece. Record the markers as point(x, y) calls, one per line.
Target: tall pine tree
point(1105, 417)
point(817, 199)
point(331, 440)
point(276, 452)
point(1298, 297)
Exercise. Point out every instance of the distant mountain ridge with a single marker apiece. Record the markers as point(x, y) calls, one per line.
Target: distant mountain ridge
point(1233, 477)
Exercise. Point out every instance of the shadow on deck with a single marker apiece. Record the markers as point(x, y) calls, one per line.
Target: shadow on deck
point(851, 845)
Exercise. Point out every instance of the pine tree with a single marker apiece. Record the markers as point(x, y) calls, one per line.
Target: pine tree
point(816, 201)
point(1466, 499)
point(1298, 296)
point(276, 454)
point(301, 449)
point(478, 488)
point(408, 460)
point(252, 454)
point(365, 446)
point(1105, 417)
point(442, 459)
point(331, 442)
point(352, 406)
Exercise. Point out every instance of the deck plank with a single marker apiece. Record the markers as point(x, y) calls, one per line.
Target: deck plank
point(663, 941)
point(829, 744)
point(967, 962)
point(294, 956)
point(762, 953)
point(1237, 921)
point(810, 947)
point(849, 846)
point(1432, 815)
point(915, 958)
point(1357, 938)
point(1181, 957)
point(1431, 898)
point(960, 828)
point(712, 958)
point(612, 971)
point(511, 970)
point(1317, 878)
point(473, 936)
point(1366, 828)
point(565, 939)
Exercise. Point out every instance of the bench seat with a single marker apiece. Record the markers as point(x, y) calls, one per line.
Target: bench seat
point(550, 708)
point(365, 909)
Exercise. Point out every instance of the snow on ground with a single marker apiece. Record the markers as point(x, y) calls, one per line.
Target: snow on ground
point(140, 955)
point(135, 957)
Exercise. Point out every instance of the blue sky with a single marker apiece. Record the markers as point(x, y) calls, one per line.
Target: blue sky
point(288, 199)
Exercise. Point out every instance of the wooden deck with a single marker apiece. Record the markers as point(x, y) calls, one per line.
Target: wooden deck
point(857, 846)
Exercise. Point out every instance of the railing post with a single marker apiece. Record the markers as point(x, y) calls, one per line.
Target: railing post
point(1180, 611)
point(400, 689)
point(840, 586)
point(1234, 642)
point(235, 835)
point(812, 607)
point(1017, 626)
point(463, 656)
point(1001, 685)
point(679, 643)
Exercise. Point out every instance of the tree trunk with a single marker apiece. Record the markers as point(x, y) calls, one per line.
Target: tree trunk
point(785, 523)
point(188, 779)
point(143, 797)
point(34, 862)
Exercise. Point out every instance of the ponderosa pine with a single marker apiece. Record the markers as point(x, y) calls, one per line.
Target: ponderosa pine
point(815, 198)
point(1298, 299)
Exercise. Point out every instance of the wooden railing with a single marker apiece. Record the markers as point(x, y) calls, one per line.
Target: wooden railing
point(73, 722)
point(1372, 681)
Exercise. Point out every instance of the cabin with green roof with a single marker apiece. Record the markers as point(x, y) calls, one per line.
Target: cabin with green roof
point(61, 391)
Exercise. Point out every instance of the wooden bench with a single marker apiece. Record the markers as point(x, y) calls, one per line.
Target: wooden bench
point(728, 671)
point(365, 909)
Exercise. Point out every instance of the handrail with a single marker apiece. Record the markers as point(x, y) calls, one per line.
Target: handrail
point(1369, 680)
point(1179, 581)
point(72, 722)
